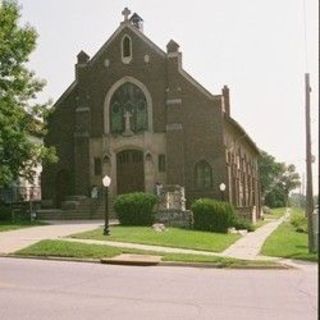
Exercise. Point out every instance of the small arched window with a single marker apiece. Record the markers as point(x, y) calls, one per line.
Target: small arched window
point(203, 175)
point(126, 49)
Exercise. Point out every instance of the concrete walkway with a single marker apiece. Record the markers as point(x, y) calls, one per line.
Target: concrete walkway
point(11, 241)
point(250, 246)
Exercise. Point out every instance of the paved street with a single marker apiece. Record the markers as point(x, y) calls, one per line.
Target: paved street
point(35, 289)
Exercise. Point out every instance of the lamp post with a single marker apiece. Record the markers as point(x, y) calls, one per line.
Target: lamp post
point(222, 188)
point(106, 181)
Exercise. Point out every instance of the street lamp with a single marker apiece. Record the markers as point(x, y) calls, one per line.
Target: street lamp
point(106, 181)
point(222, 188)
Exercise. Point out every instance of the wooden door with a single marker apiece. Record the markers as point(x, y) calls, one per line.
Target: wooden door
point(62, 186)
point(130, 171)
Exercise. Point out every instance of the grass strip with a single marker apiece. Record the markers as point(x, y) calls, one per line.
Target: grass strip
point(60, 248)
point(275, 213)
point(173, 237)
point(287, 243)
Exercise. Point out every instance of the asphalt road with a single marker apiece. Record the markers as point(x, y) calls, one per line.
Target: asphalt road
point(34, 289)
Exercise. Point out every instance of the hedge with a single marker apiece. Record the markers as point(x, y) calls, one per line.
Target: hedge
point(135, 209)
point(241, 223)
point(212, 215)
point(299, 222)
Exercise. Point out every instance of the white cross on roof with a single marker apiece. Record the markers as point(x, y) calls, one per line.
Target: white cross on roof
point(126, 13)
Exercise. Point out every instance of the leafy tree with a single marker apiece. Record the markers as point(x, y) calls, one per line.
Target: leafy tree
point(289, 180)
point(277, 180)
point(20, 116)
point(269, 172)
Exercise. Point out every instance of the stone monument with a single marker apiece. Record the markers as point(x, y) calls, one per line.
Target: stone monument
point(171, 209)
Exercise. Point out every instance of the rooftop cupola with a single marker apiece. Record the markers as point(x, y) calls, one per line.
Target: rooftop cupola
point(172, 47)
point(137, 21)
point(82, 57)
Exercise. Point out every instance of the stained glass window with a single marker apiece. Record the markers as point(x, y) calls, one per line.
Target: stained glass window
point(128, 98)
point(203, 175)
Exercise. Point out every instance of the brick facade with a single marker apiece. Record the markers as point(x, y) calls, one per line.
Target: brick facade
point(186, 125)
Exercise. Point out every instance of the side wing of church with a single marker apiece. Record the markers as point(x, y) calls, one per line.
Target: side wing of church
point(134, 114)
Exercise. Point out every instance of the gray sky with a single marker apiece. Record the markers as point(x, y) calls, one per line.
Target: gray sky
point(255, 47)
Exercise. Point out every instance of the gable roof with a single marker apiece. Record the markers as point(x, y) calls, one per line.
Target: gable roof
point(66, 92)
point(244, 134)
point(127, 24)
point(122, 26)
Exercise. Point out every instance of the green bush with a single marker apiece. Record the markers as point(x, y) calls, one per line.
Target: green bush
point(5, 213)
point(135, 209)
point(299, 221)
point(212, 215)
point(241, 223)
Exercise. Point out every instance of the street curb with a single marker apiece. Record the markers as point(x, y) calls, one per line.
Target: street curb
point(221, 266)
point(161, 264)
point(50, 258)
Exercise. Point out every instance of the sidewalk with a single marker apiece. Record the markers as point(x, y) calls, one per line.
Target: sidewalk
point(250, 246)
point(11, 241)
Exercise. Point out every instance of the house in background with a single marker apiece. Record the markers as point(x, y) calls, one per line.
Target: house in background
point(22, 189)
point(135, 114)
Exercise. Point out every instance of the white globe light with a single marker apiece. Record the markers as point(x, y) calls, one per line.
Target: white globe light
point(222, 187)
point(106, 180)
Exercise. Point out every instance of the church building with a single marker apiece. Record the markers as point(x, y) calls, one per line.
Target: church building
point(133, 113)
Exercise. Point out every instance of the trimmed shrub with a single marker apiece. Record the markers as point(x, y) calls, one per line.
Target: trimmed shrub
point(5, 213)
point(212, 215)
point(135, 209)
point(241, 223)
point(299, 221)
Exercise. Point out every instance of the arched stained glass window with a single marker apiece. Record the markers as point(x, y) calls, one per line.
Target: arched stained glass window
point(128, 109)
point(203, 175)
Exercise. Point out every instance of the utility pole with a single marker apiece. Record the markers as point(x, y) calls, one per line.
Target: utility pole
point(302, 202)
point(309, 192)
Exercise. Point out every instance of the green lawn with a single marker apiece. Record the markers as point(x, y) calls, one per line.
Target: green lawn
point(7, 225)
point(287, 243)
point(275, 213)
point(173, 237)
point(60, 248)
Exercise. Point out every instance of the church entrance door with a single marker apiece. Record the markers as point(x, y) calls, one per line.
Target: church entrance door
point(62, 186)
point(130, 171)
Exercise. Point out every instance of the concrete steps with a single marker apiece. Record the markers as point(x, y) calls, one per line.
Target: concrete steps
point(78, 208)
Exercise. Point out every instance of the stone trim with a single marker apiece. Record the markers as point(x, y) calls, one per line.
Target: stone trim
point(126, 60)
point(173, 54)
point(174, 126)
point(83, 109)
point(171, 102)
